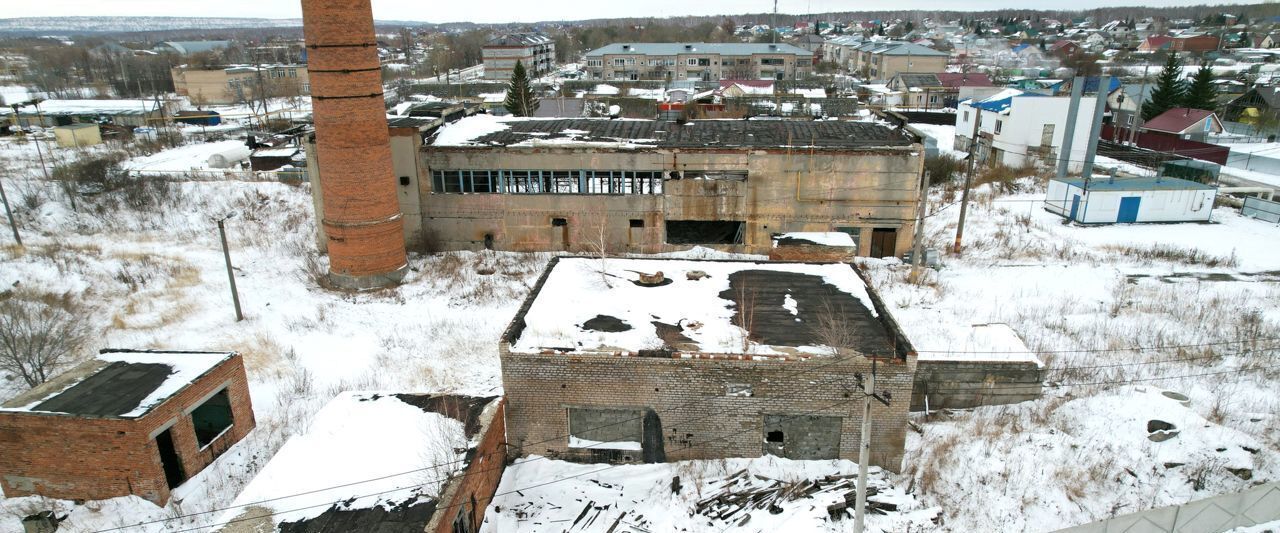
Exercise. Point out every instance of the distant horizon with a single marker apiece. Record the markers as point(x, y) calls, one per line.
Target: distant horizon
point(519, 12)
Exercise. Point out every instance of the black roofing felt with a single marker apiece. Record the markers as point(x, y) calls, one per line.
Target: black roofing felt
point(114, 390)
point(408, 517)
point(760, 292)
point(707, 133)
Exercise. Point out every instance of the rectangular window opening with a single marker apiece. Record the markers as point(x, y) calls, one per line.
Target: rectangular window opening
point(212, 418)
point(559, 222)
point(637, 223)
point(705, 231)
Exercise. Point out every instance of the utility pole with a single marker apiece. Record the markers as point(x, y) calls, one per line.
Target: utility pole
point(917, 247)
point(1137, 113)
point(968, 180)
point(1064, 157)
point(12, 225)
point(226, 256)
point(1095, 130)
point(864, 446)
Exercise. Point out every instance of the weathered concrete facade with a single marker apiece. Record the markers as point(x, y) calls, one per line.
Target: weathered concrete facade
point(869, 192)
point(966, 384)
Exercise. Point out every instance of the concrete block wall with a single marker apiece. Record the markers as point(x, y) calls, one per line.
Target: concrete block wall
point(699, 419)
point(83, 458)
point(966, 384)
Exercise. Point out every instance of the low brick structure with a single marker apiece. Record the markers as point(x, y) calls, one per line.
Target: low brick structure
point(465, 498)
point(125, 422)
point(713, 359)
point(967, 384)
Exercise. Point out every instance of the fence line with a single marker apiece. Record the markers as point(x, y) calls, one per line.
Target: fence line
point(1251, 507)
point(221, 175)
point(1261, 209)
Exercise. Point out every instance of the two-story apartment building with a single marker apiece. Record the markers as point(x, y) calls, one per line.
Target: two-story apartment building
point(239, 83)
point(699, 61)
point(535, 51)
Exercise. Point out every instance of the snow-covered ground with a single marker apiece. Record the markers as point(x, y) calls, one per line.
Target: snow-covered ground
point(194, 156)
point(1117, 314)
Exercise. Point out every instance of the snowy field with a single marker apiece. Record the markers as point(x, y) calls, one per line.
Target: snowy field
point(1117, 314)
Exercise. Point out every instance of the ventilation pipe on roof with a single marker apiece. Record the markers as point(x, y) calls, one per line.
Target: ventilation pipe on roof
point(626, 47)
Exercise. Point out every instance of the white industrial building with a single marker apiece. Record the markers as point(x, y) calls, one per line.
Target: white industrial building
point(1016, 128)
point(1130, 200)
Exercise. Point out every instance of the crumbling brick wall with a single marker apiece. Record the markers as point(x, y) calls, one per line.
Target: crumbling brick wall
point(88, 458)
point(471, 493)
point(700, 416)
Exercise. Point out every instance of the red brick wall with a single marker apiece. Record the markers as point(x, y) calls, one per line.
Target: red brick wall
point(69, 457)
point(481, 478)
point(362, 214)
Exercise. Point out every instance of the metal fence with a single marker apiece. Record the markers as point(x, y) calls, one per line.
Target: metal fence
point(1255, 506)
point(1261, 209)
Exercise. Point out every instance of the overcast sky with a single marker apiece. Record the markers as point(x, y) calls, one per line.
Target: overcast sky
point(532, 10)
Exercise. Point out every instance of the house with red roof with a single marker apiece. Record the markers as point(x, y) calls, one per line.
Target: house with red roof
point(1064, 48)
point(1185, 123)
point(1156, 42)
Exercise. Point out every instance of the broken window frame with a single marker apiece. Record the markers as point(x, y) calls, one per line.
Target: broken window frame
point(204, 436)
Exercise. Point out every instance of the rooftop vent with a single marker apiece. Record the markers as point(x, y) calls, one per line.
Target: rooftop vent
point(773, 47)
point(688, 47)
point(626, 47)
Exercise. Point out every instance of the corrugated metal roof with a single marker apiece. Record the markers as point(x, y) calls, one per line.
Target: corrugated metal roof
point(671, 49)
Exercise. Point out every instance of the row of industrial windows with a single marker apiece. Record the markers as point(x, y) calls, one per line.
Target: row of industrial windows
point(547, 181)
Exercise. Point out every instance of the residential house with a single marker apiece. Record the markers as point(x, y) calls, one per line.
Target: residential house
point(535, 52)
point(740, 88)
point(1185, 123)
point(699, 61)
point(1155, 43)
point(882, 60)
point(1063, 48)
point(1029, 55)
point(1125, 104)
point(1194, 43)
point(1017, 128)
point(1257, 106)
point(940, 90)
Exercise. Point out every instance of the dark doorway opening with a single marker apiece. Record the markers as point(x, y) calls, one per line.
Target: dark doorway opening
point(560, 233)
point(774, 436)
point(705, 231)
point(212, 418)
point(173, 473)
point(883, 242)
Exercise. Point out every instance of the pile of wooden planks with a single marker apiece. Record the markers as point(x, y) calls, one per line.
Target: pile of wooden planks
point(740, 493)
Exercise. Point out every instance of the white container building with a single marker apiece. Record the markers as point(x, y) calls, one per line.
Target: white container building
point(1130, 200)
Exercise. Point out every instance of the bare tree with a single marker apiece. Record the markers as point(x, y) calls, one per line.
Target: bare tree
point(833, 329)
point(38, 340)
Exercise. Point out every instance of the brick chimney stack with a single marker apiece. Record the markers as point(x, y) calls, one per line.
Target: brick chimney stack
point(362, 218)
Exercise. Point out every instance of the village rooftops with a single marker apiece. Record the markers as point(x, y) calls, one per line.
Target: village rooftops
point(702, 309)
point(488, 130)
point(673, 49)
point(118, 384)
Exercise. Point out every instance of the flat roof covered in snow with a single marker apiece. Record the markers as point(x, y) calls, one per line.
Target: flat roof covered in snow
point(118, 384)
point(701, 308)
point(488, 131)
point(1142, 183)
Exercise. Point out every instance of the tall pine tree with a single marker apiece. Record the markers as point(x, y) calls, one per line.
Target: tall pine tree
point(1168, 91)
point(521, 101)
point(1201, 93)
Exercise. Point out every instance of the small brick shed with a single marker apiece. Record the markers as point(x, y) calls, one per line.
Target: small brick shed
point(126, 422)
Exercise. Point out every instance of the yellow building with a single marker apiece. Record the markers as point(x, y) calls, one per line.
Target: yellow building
point(240, 83)
point(78, 135)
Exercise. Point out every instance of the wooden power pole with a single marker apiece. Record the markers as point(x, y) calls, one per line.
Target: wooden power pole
point(917, 247)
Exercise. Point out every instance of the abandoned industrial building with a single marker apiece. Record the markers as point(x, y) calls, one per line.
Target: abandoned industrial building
point(666, 360)
point(649, 186)
point(124, 423)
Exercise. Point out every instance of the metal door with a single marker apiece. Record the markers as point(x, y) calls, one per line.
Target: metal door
point(1075, 206)
point(1128, 209)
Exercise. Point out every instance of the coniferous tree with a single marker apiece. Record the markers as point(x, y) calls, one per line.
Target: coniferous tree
point(1201, 93)
point(1168, 90)
point(521, 101)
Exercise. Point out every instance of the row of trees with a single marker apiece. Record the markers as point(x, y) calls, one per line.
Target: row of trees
point(1172, 91)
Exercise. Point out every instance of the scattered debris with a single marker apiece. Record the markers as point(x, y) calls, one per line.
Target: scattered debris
point(695, 275)
point(742, 491)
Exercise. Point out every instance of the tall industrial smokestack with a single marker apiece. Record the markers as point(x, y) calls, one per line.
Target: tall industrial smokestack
point(362, 218)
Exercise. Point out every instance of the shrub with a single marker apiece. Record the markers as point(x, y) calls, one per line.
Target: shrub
point(944, 169)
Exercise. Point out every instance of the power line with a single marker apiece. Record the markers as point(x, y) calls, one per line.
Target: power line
point(496, 495)
point(1103, 350)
